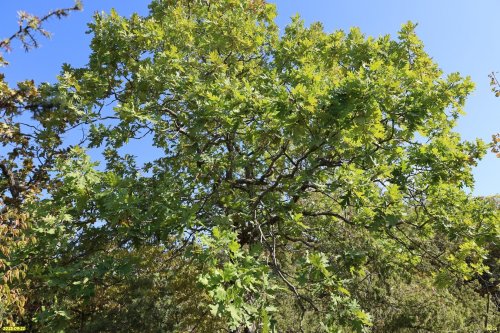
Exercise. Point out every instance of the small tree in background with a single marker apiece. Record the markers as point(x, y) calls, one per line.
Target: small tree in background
point(28, 153)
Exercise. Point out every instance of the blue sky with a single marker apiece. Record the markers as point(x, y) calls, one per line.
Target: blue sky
point(460, 35)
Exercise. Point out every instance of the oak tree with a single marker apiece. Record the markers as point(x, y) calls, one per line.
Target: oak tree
point(279, 176)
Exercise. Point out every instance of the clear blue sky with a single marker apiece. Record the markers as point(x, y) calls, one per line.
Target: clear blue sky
point(460, 35)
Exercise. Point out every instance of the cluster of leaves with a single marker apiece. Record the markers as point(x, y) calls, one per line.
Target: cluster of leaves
point(495, 142)
point(302, 182)
point(495, 88)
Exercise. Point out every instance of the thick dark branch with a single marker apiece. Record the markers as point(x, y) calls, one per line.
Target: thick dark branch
point(332, 214)
point(280, 153)
point(251, 181)
point(178, 126)
point(292, 174)
point(14, 187)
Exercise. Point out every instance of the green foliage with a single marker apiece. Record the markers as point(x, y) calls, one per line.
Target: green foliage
point(236, 281)
point(302, 182)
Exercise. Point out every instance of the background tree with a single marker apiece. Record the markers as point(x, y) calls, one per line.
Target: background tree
point(30, 137)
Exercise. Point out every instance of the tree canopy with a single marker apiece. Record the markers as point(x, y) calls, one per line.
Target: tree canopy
point(301, 181)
